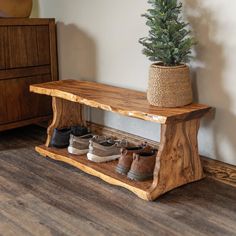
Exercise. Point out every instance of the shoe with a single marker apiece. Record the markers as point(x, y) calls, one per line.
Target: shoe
point(143, 165)
point(79, 145)
point(79, 130)
point(105, 151)
point(60, 138)
point(126, 158)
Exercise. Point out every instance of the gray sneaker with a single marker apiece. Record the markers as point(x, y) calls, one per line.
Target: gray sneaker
point(104, 151)
point(80, 145)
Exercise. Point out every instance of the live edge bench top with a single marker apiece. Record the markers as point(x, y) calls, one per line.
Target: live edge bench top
point(124, 101)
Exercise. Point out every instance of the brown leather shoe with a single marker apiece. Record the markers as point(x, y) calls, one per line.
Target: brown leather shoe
point(143, 165)
point(126, 159)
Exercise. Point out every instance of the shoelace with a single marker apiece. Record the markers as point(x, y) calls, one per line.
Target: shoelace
point(121, 143)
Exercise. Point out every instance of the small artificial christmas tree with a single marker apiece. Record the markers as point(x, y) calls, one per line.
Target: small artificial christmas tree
point(168, 41)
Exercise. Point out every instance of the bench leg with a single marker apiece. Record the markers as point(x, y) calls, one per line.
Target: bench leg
point(65, 114)
point(178, 161)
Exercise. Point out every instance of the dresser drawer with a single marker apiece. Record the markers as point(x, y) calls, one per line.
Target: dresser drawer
point(17, 103)
point(28, 55)
point(27, 46)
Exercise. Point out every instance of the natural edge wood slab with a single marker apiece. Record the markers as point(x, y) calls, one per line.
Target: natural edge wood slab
point(123, 101)
point(177, 161)
point(104, 171)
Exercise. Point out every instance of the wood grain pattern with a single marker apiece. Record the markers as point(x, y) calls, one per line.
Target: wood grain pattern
point(39, 196)
point(34, 195)
point(26, 57)
point(24, 72)
point(28, 46)
point(124, 101)
point(65, 114)
point(22, 47)
point(16, 92)
point(104, 171)
point(214, 169)
point(3, 108)
point(25, 21)
point(220, 171)
point(178, 161)
point(14, 125)
point(43, 44)
point(3, 39)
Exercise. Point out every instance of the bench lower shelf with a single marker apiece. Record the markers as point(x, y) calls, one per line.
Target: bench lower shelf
point(104, 171)
point(177, 162)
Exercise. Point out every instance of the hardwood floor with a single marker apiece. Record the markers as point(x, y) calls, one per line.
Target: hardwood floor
point(42, 197)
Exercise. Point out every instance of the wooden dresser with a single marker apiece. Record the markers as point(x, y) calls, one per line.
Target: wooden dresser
point(28, 55)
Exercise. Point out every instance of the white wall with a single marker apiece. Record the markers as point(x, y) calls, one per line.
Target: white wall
point(98, 41)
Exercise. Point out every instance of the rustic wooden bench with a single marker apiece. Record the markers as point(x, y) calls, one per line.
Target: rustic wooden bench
point(177, 161)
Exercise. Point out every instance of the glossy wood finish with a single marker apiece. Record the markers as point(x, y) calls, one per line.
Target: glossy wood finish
point(104, 171)
point(27, 56)
point(65, 114)
point(177, 162)
point(213, 169)
point(123, 101)
point(41, 197)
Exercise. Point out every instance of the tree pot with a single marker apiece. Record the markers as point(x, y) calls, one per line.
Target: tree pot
point(15, 8)
point(169, 86)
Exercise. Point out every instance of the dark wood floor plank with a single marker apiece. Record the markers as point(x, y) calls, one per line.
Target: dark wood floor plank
point(117, 205)
point(43, 219)
point(45, 188)
point(9, 228)
point(56, 199)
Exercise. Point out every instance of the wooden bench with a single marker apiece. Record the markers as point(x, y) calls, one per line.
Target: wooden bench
point(177, 161)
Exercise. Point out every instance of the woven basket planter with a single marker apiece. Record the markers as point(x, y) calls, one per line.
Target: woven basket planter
point(169, 86)
point(15, 8)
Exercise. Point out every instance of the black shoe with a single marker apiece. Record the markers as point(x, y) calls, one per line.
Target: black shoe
point(60, 138)
point(79, 130)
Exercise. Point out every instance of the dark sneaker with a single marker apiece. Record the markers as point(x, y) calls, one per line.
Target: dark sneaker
point(126, 158)
point(79, 130)
point(60, 138)
point(105, 151)
point(143, 165)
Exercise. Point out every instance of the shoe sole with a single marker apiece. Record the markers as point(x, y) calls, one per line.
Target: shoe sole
point(76, 151)
point(99, 159)
point(137, 177)
point(121, 170)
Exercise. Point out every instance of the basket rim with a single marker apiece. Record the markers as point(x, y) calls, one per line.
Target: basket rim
point(161, 66)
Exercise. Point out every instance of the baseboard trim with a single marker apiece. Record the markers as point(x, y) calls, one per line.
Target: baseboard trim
point(213, 169)
point(219, 171)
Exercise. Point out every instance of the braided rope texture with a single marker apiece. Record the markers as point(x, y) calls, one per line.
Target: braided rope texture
point(169, 86)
